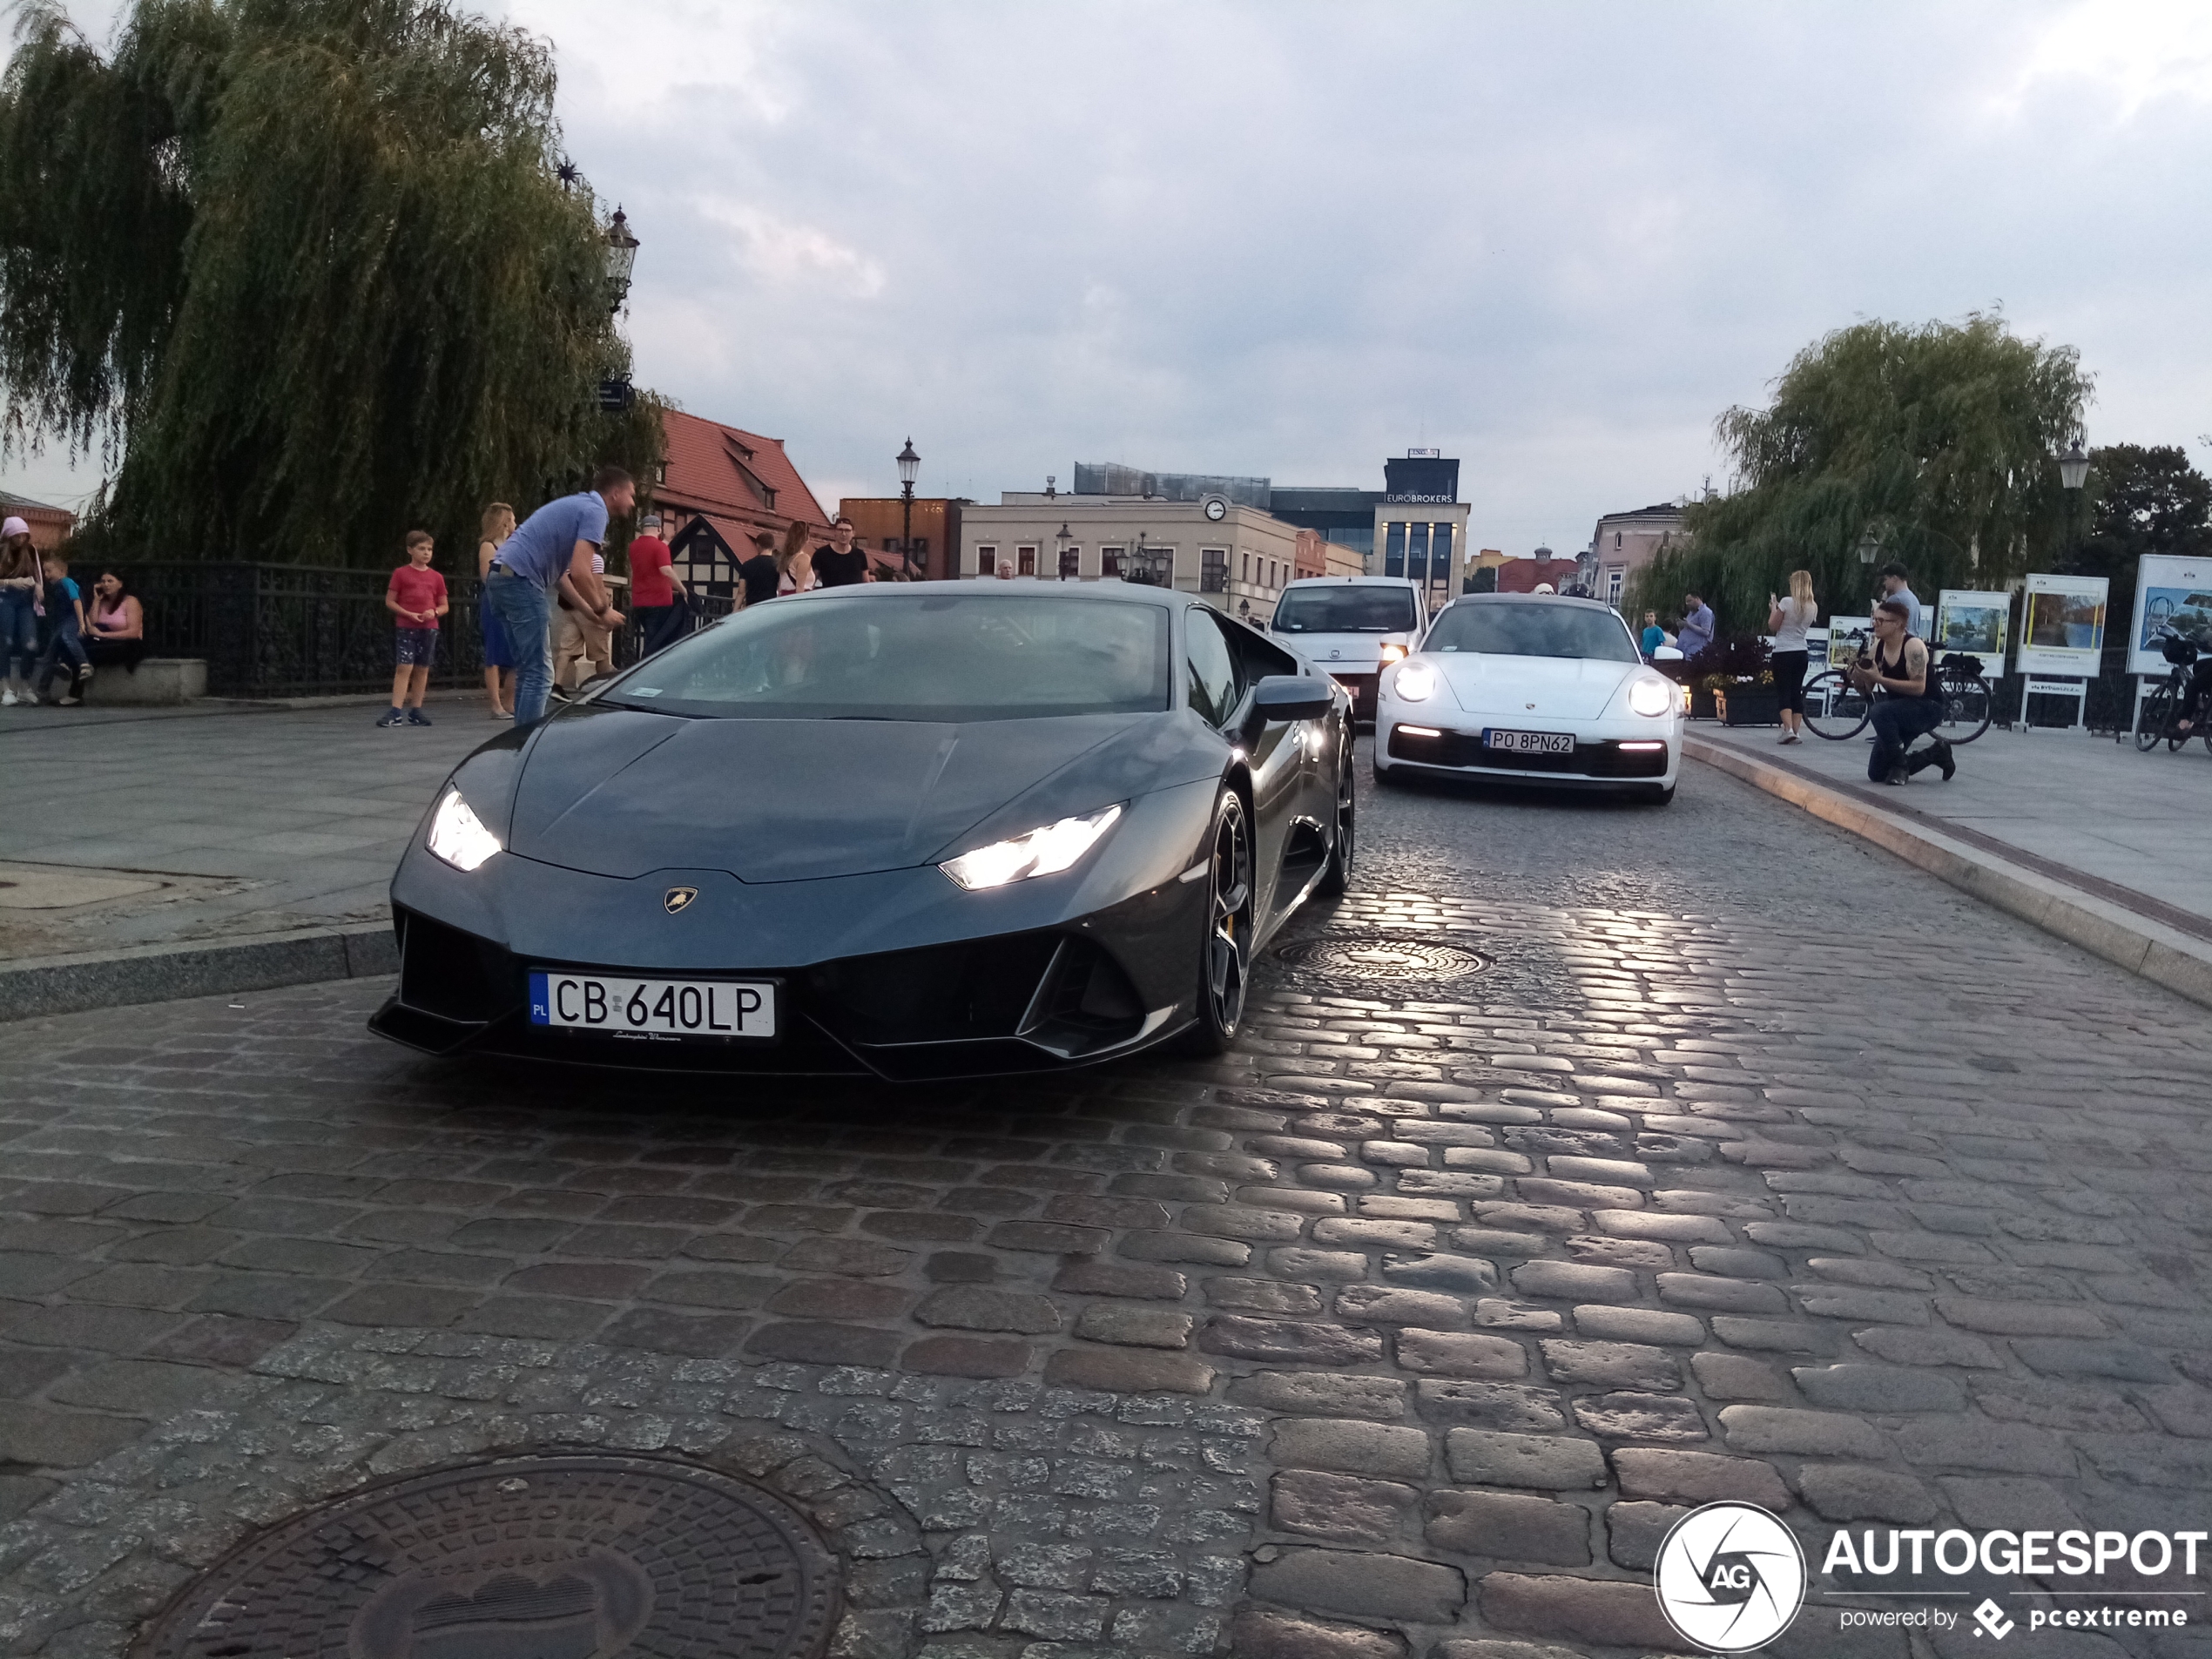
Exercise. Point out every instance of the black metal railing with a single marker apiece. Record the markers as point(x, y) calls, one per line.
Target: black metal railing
point(285, 630)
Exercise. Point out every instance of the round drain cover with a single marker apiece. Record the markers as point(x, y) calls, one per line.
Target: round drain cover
point(1384, 958)
point(522, 1558)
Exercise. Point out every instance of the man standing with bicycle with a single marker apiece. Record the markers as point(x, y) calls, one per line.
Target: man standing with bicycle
point(1910, 701)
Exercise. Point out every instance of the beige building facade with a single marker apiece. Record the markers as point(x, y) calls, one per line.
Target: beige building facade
point(1424, 539)
point(1237, 559)
point(1623, 543)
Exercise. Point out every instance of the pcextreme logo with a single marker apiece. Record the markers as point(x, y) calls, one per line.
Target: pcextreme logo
point(1730, 1577)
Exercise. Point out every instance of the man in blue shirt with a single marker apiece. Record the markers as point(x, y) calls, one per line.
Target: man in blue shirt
point(550, 554)
point(1895, 585)
point(1696, 630)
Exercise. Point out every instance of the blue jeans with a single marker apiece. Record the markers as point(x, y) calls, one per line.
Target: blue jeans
point(524, 611)
point(66, 643)
point(18, 633)
point(1896, 722)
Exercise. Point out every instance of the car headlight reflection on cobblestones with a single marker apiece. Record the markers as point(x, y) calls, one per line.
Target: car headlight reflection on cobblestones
point(1044, 851)
point(458, 836)
point(1414, 683)
point(1652, 697)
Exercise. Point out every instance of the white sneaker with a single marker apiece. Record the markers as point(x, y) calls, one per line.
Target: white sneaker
point(8, 698)
point(31, 697)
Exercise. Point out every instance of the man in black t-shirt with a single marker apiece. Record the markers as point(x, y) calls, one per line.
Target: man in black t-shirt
point(759, 573)
point(842, 565)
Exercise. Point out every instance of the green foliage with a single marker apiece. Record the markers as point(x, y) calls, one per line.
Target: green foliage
point(306, 266)
point(1937, 438)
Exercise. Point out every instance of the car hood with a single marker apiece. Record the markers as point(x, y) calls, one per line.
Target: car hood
point(1343, 652)
point(1535, 688)
point(622, 792)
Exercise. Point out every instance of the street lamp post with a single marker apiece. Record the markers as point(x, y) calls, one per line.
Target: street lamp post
point(1060, 543)
point(2073, 472)
point(621, 253)
point(910, 464)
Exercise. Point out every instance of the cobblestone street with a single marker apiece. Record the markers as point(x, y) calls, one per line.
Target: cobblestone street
point(1753, 1164)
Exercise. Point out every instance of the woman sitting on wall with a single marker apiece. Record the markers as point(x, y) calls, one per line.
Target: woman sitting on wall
point(116, 634)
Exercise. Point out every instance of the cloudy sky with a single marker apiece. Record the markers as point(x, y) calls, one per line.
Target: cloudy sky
point(1289, 240)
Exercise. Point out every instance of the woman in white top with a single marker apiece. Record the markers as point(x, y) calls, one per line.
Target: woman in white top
point(1787, 620)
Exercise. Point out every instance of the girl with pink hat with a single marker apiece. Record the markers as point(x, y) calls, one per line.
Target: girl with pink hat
point(23, 589)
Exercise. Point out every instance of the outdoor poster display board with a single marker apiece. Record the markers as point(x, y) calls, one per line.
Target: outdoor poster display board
point(2063, 629)
point(1843, 650)
point(2170, 593)
point(1974, 624)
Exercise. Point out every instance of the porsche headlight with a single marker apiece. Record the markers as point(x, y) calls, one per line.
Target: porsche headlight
point(1414, 683)
point(1045, 851)
point(1651, 697)
point(458, 836)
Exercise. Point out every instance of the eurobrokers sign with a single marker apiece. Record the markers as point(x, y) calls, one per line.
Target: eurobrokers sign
point(1731, 1578)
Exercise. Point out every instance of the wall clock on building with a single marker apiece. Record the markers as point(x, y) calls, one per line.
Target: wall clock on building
point(1216, 509)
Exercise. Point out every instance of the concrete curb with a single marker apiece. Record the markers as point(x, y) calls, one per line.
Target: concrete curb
point(42, 985)
point(2141, 944)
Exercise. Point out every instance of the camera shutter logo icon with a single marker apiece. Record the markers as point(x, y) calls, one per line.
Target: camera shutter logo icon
point(1731, 1577)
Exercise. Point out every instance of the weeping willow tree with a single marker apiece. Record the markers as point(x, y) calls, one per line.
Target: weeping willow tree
point(305, 268)
point(1935, 440)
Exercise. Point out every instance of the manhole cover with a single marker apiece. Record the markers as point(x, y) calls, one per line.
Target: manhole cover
point(1387, 959)
point(523, 1558)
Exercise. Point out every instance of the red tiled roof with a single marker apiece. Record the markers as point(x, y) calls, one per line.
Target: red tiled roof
point(732, 474)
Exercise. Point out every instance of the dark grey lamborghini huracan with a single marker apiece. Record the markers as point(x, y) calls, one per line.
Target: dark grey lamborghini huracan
point(926, 829)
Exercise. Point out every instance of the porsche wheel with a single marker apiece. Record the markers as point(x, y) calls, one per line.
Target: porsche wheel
point(1222, 952)
point(1336, 879)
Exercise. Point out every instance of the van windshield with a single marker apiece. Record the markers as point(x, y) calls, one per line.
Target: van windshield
point(1347, 609)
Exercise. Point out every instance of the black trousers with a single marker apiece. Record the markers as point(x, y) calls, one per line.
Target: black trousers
point(1790, 680)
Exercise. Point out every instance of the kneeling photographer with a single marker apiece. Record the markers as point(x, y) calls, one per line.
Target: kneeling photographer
point(1910, 700)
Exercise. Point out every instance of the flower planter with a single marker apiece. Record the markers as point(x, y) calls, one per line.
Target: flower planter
point(1750, 706)
point(1701, 704)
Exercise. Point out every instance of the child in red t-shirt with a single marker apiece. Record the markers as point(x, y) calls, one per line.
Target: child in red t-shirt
point(416, 599)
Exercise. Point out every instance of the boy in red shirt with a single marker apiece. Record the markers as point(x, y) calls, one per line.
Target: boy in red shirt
point(416, 599)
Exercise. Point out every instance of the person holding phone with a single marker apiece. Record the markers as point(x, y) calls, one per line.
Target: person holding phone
point(1787, 620)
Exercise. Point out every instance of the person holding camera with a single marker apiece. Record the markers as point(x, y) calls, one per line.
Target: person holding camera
point(1902, 674)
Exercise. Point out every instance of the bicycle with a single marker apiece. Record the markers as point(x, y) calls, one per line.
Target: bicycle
point(2162, 703)
point(1968, 699)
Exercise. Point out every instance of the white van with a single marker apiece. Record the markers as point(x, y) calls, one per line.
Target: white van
point(1352, 628)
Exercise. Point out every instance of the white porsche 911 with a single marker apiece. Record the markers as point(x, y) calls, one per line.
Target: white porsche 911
point(1531, 688)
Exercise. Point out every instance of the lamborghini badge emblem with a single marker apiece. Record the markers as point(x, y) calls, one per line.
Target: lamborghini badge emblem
point(677, 898)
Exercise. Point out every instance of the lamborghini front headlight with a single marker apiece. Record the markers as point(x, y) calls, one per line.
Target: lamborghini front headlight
point(1044, 851)
point(458, 836)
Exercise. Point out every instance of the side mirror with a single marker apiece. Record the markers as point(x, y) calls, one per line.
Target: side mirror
point(1666, 654)
point(1283, 698)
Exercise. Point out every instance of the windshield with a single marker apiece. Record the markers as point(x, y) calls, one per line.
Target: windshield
point(1344, 610)
point(1511, 630)
point(892, 657)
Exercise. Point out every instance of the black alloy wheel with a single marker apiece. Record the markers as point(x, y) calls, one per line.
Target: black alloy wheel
point(1336, 876)
point(1224, 959)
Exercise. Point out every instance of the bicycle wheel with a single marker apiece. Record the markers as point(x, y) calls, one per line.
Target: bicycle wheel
point(2152, 718)
point(1968, 704)
point(1844, 708)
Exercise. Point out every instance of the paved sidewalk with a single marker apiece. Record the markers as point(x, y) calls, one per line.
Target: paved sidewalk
point(2086, 805)
point(133, 828)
